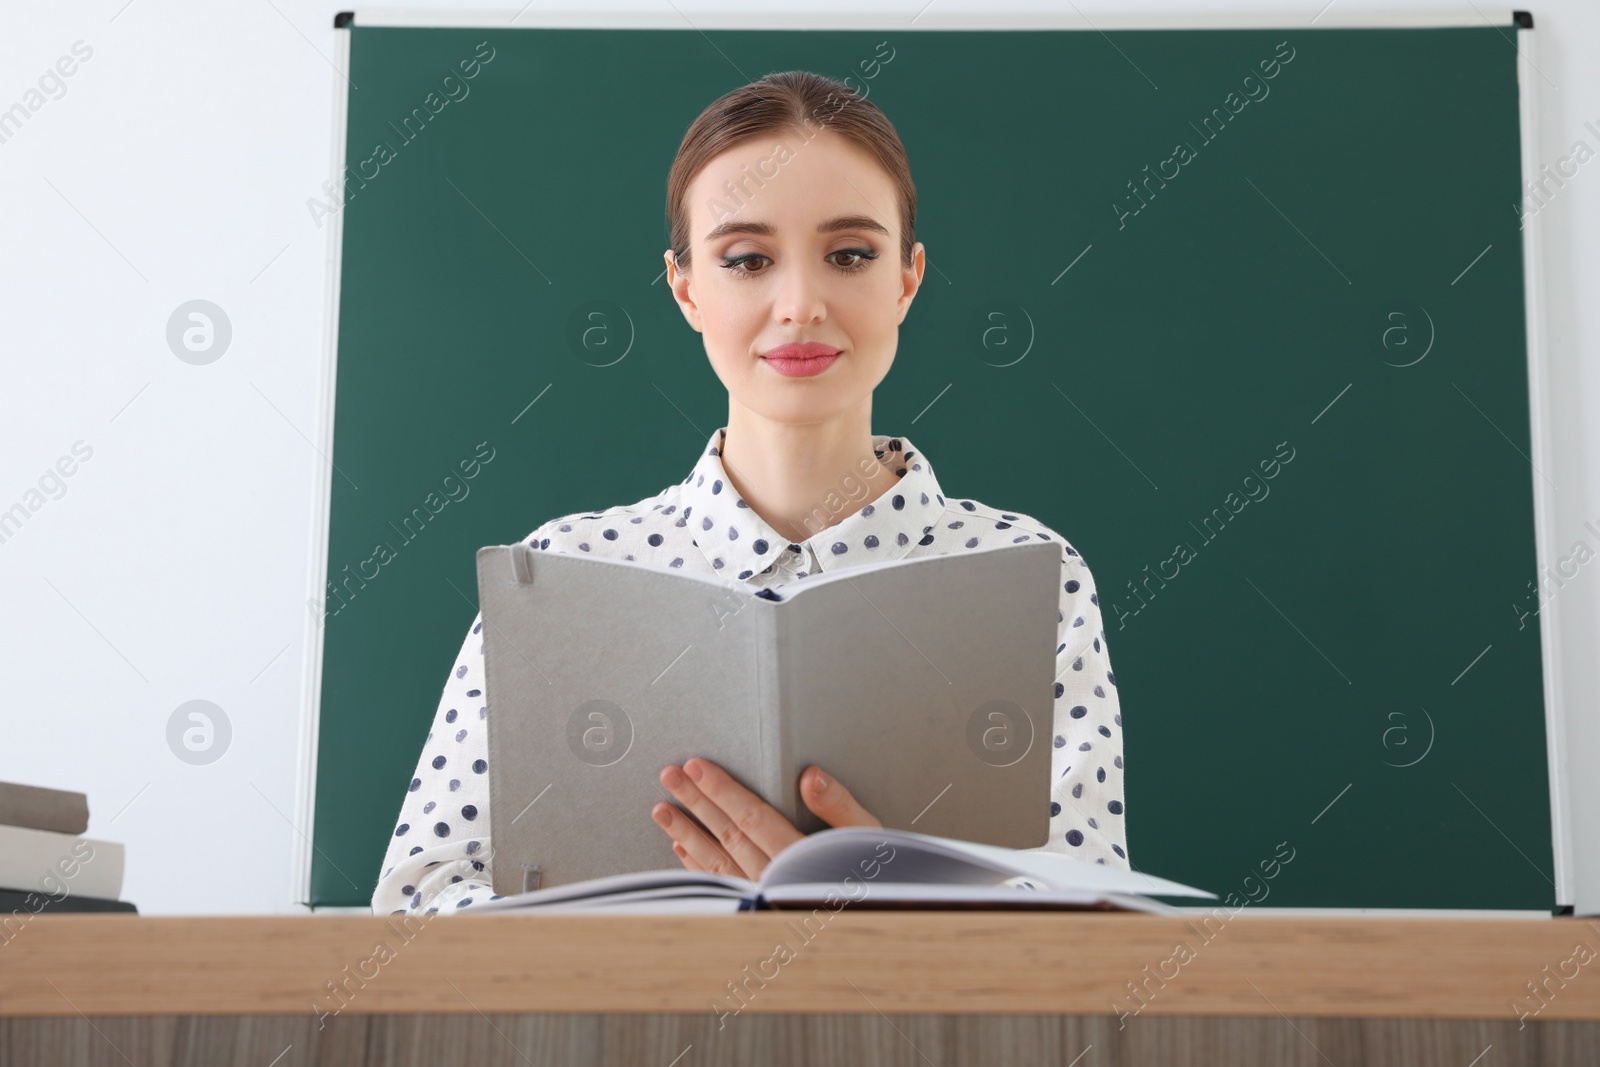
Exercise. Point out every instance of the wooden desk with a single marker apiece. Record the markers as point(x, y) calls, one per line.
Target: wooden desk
point(931, 987)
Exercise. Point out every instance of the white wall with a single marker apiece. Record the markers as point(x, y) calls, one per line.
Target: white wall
point(176, 166)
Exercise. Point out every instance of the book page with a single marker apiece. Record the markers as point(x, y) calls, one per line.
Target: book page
point(634, 886)
point(868, 854)
point(904, 895)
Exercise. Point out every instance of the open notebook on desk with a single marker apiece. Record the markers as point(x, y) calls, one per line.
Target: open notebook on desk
point(870, 867)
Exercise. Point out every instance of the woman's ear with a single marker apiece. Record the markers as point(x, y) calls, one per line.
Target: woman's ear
point(678, 283)
point(911, 279)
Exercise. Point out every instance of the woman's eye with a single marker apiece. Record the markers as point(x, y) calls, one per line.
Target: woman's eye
point(731, 264)
point(861, 258)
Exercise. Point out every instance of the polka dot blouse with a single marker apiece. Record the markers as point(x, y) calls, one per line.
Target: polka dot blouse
point(439, 856)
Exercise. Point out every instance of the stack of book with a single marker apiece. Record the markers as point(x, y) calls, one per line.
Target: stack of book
point(46, 864)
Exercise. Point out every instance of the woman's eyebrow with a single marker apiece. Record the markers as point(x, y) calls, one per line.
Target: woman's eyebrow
point(833, 225)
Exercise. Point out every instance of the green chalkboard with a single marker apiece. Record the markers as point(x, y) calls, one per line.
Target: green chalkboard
point(1323, 665)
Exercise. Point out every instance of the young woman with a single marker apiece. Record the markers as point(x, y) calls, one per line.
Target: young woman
point(790, 208)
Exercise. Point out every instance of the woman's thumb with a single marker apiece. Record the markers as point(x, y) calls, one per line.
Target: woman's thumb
point(831, 801)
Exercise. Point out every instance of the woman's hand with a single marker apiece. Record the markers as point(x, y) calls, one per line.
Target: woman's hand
point(745, 831)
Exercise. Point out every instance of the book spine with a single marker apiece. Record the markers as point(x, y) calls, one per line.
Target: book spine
point(31, 859)
point(779, 783)
point(34, 808)
point(18, 902)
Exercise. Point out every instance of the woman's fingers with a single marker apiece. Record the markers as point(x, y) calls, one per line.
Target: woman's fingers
point(684, 857)
point(749, 829)
point(737, 833)
point(694, 847)
point(831, 801)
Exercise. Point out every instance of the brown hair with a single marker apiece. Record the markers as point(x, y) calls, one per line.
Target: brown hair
point(789, 100)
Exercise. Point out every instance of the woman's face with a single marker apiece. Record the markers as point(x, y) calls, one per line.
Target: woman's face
point(807, 252)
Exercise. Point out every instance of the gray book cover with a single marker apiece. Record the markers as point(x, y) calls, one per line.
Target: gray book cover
point(924, 685)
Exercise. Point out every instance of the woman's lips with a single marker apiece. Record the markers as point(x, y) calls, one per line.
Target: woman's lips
point(801, 360)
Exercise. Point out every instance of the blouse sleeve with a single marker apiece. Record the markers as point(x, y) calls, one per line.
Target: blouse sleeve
point(1086, 796)
point(438, 856)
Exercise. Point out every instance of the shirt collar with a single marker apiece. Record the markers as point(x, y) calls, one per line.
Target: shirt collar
point(900, 519)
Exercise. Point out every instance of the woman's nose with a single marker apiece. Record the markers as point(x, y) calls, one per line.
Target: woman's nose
point(799, 297)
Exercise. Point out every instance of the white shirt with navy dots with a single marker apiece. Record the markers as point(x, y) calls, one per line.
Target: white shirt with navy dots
point(439, 857)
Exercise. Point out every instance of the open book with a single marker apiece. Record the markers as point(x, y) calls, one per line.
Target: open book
point(867, 867)
point(922, 684)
